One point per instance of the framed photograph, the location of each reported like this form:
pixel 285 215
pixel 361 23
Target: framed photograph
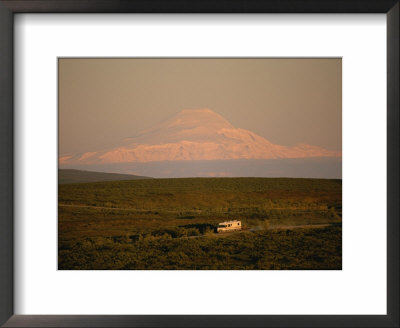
pixel 199 164
pixel 192 191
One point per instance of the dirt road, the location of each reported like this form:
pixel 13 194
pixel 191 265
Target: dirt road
pixel 254 229
pixel 274 228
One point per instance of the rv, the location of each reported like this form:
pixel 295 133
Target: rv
pixel 229 226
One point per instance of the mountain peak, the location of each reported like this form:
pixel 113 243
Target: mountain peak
pixel 197 117
pixel 204 112
pixel 188 124
pixel 196 134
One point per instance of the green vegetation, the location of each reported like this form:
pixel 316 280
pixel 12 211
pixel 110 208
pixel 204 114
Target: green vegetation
pixel 170 223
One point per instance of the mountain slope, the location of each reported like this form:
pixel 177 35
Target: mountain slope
pixel 195 135
pixel 78 176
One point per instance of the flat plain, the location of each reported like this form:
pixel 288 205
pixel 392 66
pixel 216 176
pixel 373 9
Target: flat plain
pixel 169 224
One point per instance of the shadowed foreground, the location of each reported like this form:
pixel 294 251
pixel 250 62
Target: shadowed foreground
pixel 169 224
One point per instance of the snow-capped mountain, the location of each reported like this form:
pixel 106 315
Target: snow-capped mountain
pixel 195 135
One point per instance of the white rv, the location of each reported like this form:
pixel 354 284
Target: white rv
pixel 229 226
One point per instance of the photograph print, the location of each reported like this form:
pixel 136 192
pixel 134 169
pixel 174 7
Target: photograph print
pixel 199 164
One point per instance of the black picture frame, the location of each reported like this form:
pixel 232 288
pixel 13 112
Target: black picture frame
pixel 10 7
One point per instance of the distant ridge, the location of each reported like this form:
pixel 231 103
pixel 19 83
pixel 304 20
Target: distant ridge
pixel 194 135
pixel 79 176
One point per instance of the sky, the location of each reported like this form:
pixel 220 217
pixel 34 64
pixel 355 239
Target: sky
pixel 287 101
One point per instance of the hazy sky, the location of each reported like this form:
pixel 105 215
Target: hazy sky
pixel 287 101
